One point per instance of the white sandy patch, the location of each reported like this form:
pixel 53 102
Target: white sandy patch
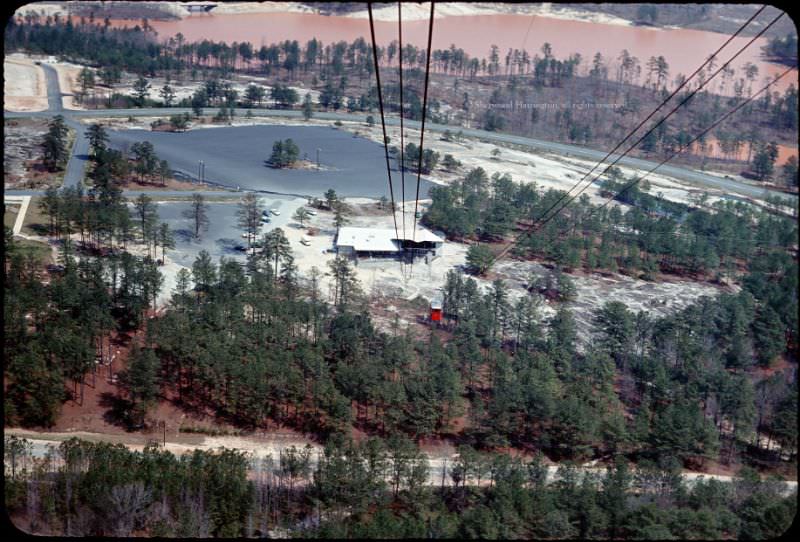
pixel 24 87
pixel 185 89
pixel 421 11
pixel 546 169
pixel 42 8
pixel 657 299
pixel 262 7
pixel 387 279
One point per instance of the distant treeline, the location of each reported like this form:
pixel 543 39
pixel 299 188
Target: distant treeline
pixel 783 50
pixel 343 72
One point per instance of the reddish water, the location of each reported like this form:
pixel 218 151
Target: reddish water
pixel 713 150
pixel 683 49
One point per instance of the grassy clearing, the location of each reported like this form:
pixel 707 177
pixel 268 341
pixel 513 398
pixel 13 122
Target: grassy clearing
pixel 10 215
pixel 40 252
pixel 36 222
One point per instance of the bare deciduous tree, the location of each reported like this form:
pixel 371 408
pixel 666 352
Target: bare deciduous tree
pixel 128 505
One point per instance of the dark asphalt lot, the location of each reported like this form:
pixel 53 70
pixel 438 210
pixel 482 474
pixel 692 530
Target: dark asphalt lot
pixel 223 233
pixel 236 156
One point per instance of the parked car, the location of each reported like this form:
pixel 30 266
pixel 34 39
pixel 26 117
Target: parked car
pixel 312 212
pixel 305 241
pixel 276 212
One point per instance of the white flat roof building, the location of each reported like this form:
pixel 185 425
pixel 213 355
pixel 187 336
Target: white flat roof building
pixel 354 239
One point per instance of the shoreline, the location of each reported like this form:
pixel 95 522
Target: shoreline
pixel 412 12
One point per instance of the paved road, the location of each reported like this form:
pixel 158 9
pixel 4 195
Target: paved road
pixel 54 103
pixel 76 167
pixel 696 178
pixel 80 150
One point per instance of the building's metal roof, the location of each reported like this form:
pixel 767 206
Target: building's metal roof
pixel 380 239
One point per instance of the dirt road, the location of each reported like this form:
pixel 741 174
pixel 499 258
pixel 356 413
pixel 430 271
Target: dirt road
pixel 272 445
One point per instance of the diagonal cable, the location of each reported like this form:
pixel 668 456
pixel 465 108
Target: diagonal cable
pixel 383 121
pixel 424 112
pixel 652 129
pixel 673 155
pixel 402 149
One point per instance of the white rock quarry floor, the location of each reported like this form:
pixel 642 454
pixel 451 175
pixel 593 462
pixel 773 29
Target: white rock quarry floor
pixel 547 170
pixel 385 280
pixel 657 299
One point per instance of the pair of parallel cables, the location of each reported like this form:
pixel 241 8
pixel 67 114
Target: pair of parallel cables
pixel 402 137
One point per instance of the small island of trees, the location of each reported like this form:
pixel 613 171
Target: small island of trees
pixel 284 154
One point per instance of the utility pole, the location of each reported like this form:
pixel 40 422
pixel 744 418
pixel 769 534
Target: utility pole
pixel 318 149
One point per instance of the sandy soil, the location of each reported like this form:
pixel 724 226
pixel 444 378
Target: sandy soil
pixel 545 169
pixel 411 11
pixel 185 89
pixel 263 447
pixel 24 84
pixel 421 11
pixel 387 281
pixel 21 146
pixel 42 8
pixel 656 299
pixel 262 7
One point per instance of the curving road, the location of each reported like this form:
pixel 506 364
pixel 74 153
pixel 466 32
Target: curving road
pixel 77 162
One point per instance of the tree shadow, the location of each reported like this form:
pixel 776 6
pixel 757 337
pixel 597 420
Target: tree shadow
pixel 183 235
pixel 231 246
pixel 39 229
pixel 119 411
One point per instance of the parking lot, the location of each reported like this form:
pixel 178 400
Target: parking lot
pixel 236 157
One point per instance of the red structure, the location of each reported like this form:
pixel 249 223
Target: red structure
pixel 436 311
